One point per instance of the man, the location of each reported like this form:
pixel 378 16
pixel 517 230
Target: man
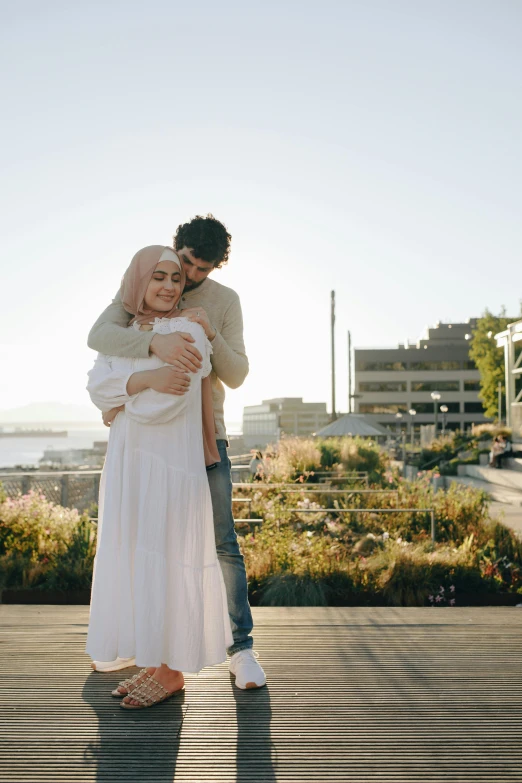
pixel 203 245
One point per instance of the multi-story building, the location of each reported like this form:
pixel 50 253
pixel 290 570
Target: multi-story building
pixel 389 381
pixel 265 423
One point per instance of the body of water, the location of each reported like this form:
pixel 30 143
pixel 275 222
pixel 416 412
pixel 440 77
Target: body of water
pixel 28 451
pixel 80 435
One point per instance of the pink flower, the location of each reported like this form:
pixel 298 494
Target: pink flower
pixel 441 589
pixel 452 588
pixel 452 602
pixel 430 598
pixel 438 599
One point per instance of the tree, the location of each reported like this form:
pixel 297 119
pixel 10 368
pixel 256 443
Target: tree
pixel 490 359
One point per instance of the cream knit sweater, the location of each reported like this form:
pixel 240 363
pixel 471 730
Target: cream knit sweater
pixel 110 336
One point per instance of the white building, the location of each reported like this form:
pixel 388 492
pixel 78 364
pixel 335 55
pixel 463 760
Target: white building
pixel 389 381
pixel 265 423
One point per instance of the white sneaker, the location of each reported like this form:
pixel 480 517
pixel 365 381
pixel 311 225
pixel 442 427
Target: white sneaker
pixel 247 671
pixel 113 666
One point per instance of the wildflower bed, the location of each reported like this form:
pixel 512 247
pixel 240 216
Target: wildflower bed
pixel 325 558
pixel 301 555
pixel 343 559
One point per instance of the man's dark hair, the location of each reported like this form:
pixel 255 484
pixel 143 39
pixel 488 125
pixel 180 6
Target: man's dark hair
pixel 206 237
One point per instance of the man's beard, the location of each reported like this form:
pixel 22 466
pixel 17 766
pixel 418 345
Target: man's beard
pixel 190 286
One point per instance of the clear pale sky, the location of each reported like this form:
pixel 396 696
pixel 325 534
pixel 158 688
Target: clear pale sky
pixel 366 146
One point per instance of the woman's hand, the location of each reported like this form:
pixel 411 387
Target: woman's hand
pixel 199 316
pixel 109 416
pixel 169 380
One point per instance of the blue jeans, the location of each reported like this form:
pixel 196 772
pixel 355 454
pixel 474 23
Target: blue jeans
pixel 229 554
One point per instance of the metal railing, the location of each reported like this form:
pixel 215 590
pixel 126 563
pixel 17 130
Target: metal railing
pixel 309 490
pixel 353 475
pixel 71 488
pixel 79 489
pixel 430 511
pixel 240 459
pixel 324 476
pixel 312 489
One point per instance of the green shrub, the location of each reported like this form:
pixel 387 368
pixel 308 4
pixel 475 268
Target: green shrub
pixel 43 545
pixel 288 589
pixel 298 559
pixel 294 459
pixel 450 468
pixel 411 575
pixel 489 430
pixel 364 455
pixel 330 453
pixel 290 459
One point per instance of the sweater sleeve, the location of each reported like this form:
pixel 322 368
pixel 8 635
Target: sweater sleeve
pixel 110 334
pixel 229 359
pixel 108 387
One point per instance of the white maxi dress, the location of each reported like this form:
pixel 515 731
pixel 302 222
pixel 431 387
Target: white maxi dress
pixel 158 592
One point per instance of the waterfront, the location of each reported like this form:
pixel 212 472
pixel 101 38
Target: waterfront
pixel 27 451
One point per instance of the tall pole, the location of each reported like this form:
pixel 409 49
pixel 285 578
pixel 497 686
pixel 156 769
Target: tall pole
pixel 349 372
pixel 509 358
pixel 499 389
pixel 412 413
pixel 332 322
pixel 435 396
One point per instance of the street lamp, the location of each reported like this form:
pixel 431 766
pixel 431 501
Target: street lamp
pixel 444 410
pixel 412 413
pixel 435 396
pixel 401 437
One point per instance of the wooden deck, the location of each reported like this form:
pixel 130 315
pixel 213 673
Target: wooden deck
pixel 356 695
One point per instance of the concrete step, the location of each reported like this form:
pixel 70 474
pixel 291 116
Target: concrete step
pixel 502 477
pixel 495 491
pixel 514 464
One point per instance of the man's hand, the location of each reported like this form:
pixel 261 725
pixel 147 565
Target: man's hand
pixel 109 416
pixel 176 349
pixel 169 380
pixel 199 316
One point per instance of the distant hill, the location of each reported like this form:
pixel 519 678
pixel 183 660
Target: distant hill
pixel 41 412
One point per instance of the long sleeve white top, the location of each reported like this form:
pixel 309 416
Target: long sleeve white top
pixel 108 378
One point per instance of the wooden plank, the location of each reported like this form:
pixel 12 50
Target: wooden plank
pixel 354 694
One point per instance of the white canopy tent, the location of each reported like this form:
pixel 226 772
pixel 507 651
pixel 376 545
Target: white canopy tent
pixel 353 424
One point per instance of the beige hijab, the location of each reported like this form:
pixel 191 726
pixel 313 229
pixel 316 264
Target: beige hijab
pixel 133 289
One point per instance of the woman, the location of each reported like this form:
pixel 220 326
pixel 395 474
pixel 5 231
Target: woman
pixel 256 466
pixel 497 450
pixel 158 593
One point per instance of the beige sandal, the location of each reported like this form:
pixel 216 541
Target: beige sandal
pixel 130 683
pixel 149 693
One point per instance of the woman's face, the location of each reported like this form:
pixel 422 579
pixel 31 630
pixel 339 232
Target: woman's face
pixel 164 289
